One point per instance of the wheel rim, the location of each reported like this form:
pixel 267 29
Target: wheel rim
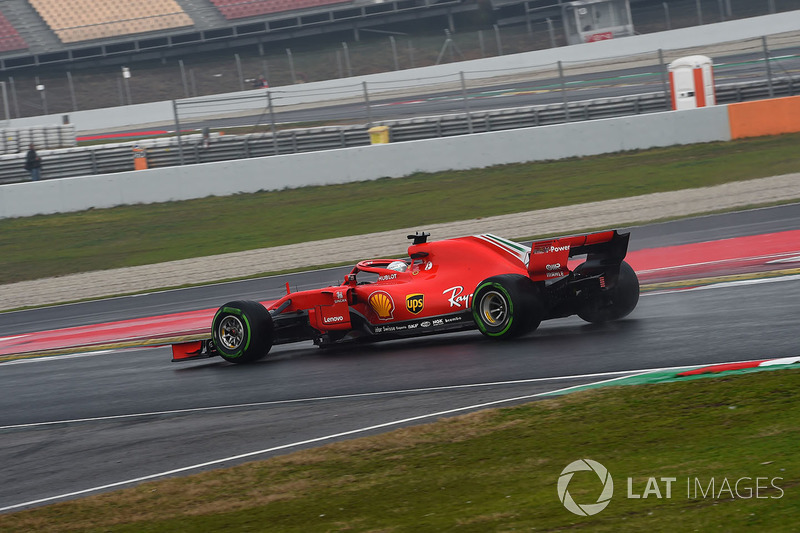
pixel 494 309
pixel 230 332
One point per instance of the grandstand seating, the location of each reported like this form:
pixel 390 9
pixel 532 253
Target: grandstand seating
pixel 10 38
pixel 83 20
pixel 236 9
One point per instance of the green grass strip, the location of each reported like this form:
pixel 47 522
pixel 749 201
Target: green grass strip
pixel 497 470
pixel 669 376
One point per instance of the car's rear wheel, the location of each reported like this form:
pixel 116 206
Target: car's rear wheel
pixel 507 306
pixel 614 302
pixel 243 331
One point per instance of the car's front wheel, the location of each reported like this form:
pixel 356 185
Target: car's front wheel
pixel 243 331
pixel 507 306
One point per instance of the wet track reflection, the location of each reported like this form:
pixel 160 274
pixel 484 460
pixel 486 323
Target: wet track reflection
pixel 76 423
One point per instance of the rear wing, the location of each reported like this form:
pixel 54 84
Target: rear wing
pixel 604 250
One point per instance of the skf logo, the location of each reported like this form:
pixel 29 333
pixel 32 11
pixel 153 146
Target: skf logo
pixel 382 303
pixel 415 303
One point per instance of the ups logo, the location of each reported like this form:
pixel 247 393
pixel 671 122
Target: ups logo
pixel 415 303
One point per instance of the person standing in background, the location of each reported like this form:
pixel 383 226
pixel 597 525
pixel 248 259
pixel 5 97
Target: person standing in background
pixel 33 163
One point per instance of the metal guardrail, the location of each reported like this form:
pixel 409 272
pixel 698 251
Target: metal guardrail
pixel 164 152
pixel 15 140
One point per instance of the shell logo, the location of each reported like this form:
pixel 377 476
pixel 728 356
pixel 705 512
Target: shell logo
pixel 382 303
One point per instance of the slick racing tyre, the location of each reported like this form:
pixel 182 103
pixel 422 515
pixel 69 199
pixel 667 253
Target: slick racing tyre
pixel 614 302
pixel 242 331
pixel 507 306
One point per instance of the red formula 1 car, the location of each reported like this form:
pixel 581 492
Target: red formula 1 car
pixel 500 287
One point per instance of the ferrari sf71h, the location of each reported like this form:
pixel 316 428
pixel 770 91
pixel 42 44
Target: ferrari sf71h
pixel 502 288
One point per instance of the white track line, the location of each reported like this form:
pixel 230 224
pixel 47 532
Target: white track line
pixel 742 282
pixel 722 285
pixel 62 357
pixel 3 339
pixel 795 259
pixel 317 440
pixel 292 445
pixel 620 375
pixel 719 261
pixel 324 398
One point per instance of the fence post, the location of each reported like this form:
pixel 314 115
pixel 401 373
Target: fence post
pixel 771 6
pixel 497 38
pixel 239 71
pixel 126 82
pixel 394 52
pixel 5 103
pixel 445 46
pixel 552 31
pixel 466 101
pixel 528 20
pixel 699 13
pixel 71 91
pixel 664 84
pixel 194 81
pixel 178 131
pixel 366 101
pixel 121 92
pixel 14 96
pixel 411 54
pixel 563 90
pixel 347 60
pixel 769 67
pixel 481 44
pixel 183 78
pixel 291 64
pixel 272 124
pixel 666 16
pixel 41 89
pixel 265 69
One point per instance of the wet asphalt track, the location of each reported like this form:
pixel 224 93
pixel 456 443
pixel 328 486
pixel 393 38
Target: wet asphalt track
pixel 70 424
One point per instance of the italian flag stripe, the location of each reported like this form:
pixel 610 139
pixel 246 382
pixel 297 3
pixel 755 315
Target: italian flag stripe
pixel 510 244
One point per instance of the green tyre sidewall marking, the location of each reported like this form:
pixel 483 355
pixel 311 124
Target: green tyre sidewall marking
pixel 476 315
pixel 479 320
pixel 238 312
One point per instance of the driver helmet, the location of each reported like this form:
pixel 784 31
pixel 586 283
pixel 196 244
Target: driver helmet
pixel 399 266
